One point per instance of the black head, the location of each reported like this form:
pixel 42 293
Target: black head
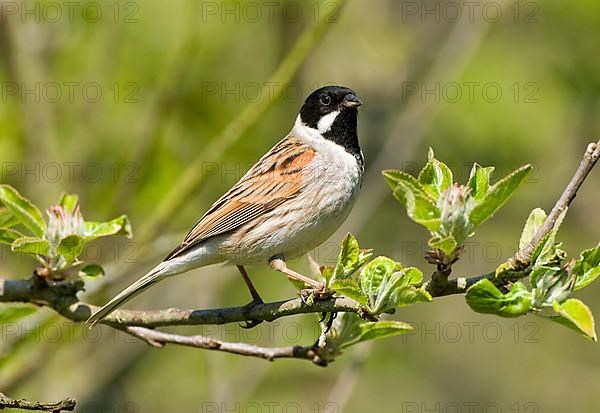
pixel 333 111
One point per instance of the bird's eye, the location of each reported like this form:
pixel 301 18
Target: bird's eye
pixel 325 100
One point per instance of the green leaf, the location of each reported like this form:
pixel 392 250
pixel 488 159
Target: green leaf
pixel 485 297
pixel 8 236
pixel 411 275
pixel 347 258
pixel 32 246
pixel 587 267
pixel 7 219
pixel 479 180
pixel 394 177
pixel 497 195
pixel 327 273
pixel 351 258
pixel 70 247
pixel 349 330
pixel 401 290
pixel 384 282
pixel 419 207
pixel 91 270
pixel 408 296
pixel 547 251
pixel 69 202
pixel 435 177
pixel 447 245
pixel 551 284
pixel 350 289
pixel 587 278
pixel 380 329
pixel 576 315
pixel 379 280
pixel 506 266
pixel 534 222
pixel 23 210
pixel 344 331
pixel 117 226
pixel 375 274
pixel 9 313
pixel 540 273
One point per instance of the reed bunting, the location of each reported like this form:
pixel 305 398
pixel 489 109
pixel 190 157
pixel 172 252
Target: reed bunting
pixel 293 199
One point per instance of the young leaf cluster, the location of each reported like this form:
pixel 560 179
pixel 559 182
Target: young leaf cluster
pixel 380 285
pixel 452 211
pixel 57 242
pixel 349 329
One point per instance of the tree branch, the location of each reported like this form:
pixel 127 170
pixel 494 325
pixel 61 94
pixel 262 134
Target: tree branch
pixel 67 404
pixel 62 297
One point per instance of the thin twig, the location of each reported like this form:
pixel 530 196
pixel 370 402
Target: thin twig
pixel 590 158
pixel 67 404
pixel 158 339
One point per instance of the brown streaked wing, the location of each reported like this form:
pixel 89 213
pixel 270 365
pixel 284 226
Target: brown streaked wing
pixel 274 179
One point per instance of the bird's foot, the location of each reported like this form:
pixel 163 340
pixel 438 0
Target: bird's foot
pixel 320 293
pixel 329 323
pixel 247 308
pixel 250 324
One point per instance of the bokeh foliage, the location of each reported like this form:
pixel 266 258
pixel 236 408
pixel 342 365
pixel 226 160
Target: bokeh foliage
pixel 171 55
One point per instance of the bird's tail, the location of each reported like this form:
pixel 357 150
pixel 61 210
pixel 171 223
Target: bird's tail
pixel 145 282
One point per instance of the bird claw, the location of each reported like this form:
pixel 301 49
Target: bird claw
pixel 309 295
pixel 248 324
pixel 304 297
pixel 317 347
pixel 323 316
pixel 330 322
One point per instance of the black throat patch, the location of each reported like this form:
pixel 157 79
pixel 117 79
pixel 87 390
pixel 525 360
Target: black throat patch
pixel 344 132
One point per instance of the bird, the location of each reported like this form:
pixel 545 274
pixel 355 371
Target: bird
pixel 288 203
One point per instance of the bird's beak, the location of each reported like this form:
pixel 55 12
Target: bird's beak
pixel 351 101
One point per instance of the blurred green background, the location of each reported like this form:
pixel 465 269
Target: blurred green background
pixel 116 101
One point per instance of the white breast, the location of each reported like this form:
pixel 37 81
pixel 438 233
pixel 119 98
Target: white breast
pixel 335 173
pixel 306 221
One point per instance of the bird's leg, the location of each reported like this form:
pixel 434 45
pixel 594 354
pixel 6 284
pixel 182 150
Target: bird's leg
pixel 255 296
pixel 316 290
pixel 278 264
pixel 256 299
